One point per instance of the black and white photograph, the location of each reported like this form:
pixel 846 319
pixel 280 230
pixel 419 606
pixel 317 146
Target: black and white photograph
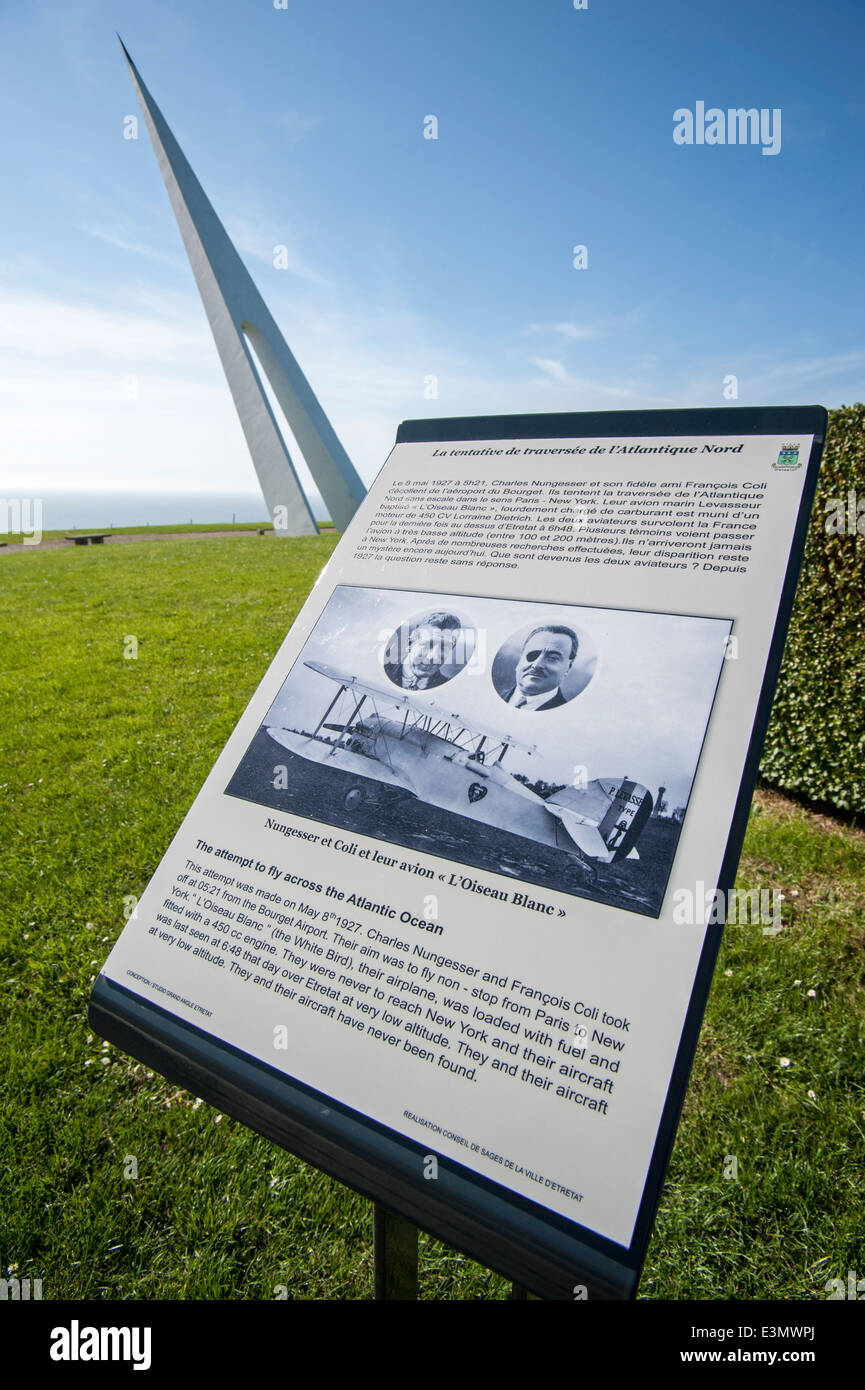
pixel 589 800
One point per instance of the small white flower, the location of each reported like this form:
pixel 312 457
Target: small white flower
pixel 812 994
pixel 812 1095
pixel 216 1119
pixel 728 973
pixel 797 982
pixel 106 1061
pixel 784 1061
pixel 794 892
pixel 89 1062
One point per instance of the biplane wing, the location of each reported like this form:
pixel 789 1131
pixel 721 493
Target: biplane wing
pixel 407 699
pixel 453 761
pixel 322 751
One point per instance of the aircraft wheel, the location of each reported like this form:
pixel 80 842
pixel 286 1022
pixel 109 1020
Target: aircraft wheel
pixel 354 798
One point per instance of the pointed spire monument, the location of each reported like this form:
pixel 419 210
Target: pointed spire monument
pixel 236 312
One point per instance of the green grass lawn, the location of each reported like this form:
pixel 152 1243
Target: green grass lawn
pixel 179 529
pixel 101 758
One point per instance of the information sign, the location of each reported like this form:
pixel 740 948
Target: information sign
pixel 443 918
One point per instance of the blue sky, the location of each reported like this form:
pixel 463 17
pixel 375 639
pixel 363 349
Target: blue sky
pixel 408 257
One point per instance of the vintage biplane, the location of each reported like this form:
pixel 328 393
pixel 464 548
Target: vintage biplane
pixel 454 762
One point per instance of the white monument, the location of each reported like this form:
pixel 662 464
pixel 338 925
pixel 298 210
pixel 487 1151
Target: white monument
pixel 236 313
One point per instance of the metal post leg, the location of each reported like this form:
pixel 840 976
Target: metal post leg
pixel 394 1255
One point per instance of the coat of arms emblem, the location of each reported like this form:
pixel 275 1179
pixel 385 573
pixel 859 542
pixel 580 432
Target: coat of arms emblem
pixel 788 457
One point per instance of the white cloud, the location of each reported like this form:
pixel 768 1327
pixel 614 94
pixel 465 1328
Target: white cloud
pixel 812 368
pixel 115 239
pixel 574 331
pixel 294 126
pixel 556 370
pixel 43 328
pixel 251 240
pixel 131 394
pixel 563 391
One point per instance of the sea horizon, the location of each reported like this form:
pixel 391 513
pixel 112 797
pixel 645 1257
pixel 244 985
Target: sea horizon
pixel 91 510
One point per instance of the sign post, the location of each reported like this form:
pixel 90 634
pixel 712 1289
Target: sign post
pixel 443 919
pixel 394 1255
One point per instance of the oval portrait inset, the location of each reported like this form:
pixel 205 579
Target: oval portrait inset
pixel 544 665
pixel 428 650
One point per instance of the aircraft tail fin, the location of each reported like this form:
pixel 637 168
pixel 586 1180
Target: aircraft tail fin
pixel 604 818
pixel 584 835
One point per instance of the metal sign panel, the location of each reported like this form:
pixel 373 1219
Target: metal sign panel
pixel 443 918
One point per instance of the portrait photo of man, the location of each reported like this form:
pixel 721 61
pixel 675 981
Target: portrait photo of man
pixel 422 655
pixel 541 669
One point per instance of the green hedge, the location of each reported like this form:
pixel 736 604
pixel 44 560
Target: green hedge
pixel 816 739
